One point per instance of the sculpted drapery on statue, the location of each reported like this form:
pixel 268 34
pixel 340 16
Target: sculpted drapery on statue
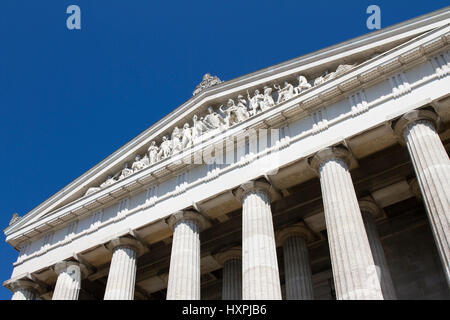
pixel 213 120
pixel 153 152
pixel 125 172
pixel 139 163
pixel 302 85
pixel 268 100
pixel 255 102
pixel 186 141
pixel 165 149
pixel 176 140
pixel 285 93
pixel 233 114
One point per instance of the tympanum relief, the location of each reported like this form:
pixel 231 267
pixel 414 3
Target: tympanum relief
pixel 217 120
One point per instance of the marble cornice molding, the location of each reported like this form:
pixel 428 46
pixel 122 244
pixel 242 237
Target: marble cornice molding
pixel 399 32
pixel 376 69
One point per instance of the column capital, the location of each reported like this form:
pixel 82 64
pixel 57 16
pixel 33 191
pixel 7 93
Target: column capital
pixel 368 206
pixel 228 254
pixel 295 230
pixel 335 152
pixel 184 215
pixel 65 265
pixel 260 185
pixel 126 242
pixel 23 283
pixel 413 116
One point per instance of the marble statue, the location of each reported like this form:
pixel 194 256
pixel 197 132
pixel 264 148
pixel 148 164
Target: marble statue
pixel 235 113
pixel 319 81
pixel 213 120
pixel 342 68
pixel 138 164
pixel 145 161
pixel 153 153
pixel 285 93
pixel 109 181
pixel 228 114
pixel 92 190
pixel 268 100
pixel 125 172
pixel 165 149
pixel 255 102
pixel 198 127
pixel 186 141
pixel 241 109
pixel 176 140
pixel 302 85
pixel 242 102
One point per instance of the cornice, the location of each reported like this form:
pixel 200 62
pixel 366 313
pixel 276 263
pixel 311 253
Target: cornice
pixel 426 22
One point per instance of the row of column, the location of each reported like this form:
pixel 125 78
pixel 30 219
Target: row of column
pixel 358 262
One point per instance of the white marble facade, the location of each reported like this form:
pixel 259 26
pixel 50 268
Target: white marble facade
pixel 310 118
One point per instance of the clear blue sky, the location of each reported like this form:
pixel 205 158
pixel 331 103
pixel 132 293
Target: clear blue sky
pixel 68 99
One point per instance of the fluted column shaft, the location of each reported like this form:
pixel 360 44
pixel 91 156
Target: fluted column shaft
pixel 232 280
pixel 260 276
pixel 354 272
pixel 23 294
pixel 297 269
pixel 184 271
pixel 68 284
pixel 122 272
pixel 432 166
pixel 379 258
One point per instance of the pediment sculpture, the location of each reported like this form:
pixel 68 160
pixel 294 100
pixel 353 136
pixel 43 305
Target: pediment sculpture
pixel 236 111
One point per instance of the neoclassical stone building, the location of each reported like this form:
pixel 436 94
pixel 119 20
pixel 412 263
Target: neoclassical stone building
pixel 323 177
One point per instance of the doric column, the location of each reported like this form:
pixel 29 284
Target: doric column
pixel 370 212
pixel 122 272
pixel 418 130
pixel 231 260
pixel 297 270
pixel 354 271
pixel 68 284
pixel 23 289
pixel 260 277
pixel 184 271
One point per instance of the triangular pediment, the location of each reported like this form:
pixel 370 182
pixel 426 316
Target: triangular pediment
pixel 336 60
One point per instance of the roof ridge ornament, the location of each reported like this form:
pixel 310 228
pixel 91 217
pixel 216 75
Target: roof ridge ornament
pixel 207 81
pixel 14 219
